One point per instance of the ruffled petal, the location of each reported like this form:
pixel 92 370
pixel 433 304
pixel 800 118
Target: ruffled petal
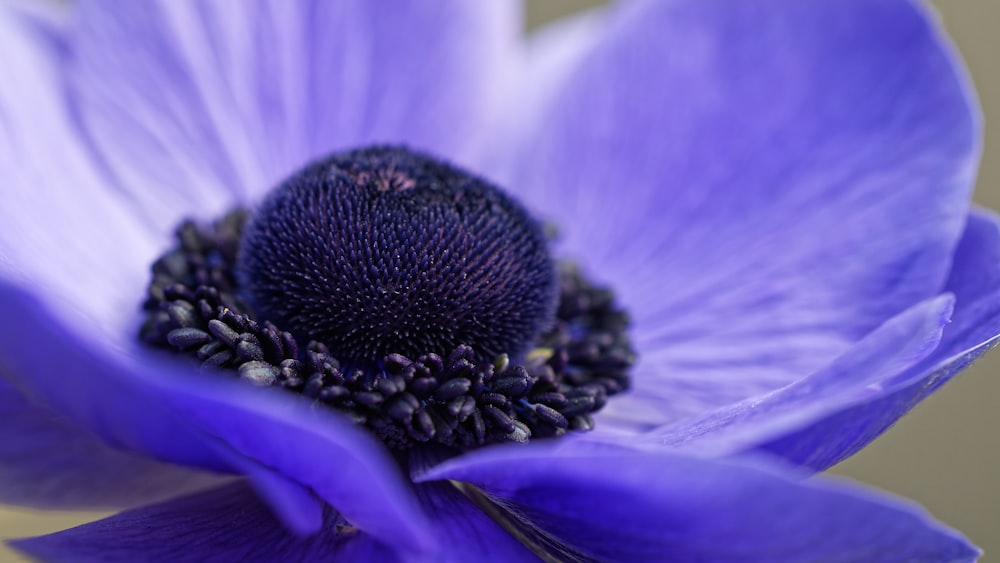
pixel 616 504
pixel 763 183
pixel 200 102
pixel 47 462
pixel 224 524
pixel 144 401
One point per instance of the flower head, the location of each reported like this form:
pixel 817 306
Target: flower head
pixel 776 192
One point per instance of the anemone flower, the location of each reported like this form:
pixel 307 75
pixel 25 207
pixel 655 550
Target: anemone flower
pixel 774 193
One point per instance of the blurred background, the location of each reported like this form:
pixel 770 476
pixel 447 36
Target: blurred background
pixel 946 453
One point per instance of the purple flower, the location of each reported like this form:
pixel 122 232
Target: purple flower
pixel 778 191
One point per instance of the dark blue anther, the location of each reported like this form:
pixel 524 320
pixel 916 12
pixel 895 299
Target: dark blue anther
pixel 392 288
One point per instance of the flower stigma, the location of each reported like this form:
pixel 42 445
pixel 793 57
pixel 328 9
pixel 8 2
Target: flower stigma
pixel 415 297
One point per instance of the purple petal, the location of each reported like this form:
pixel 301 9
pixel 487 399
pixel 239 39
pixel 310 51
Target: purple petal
pixel 764 183
pixel 73 242
pixel 975 269
pixel 821 443
pixel 224 524
pixel 314 447
pixel 626 505
pixel 863 372
pixel 295 505
pixel 190 101
pixel 46 462
pixel 464 532
pixel 828 416
pixel 92 386
pixel 142 401
pixel 65 233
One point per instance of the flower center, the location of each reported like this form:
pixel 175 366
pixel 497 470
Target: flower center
pixel 384 250
pixel 396 289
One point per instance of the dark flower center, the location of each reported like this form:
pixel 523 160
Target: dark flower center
pixel 383 250
pixel 396 289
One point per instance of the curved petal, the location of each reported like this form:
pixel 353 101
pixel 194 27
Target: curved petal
pixel 975 269
pixel 224 524
pixel 76 377
pixel 764 183
pixel 313 447
pixel 830 415
pixel 855 377
pixel 464 532
pixel 198 102
pixel 975 280
pixel 46 462
pixel 142 401
pixel 295 505
pixel 616 504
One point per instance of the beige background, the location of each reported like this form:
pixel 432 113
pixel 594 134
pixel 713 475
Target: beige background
pixel 946 453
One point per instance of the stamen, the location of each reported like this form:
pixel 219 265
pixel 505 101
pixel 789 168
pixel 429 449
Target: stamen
pixel 457 399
